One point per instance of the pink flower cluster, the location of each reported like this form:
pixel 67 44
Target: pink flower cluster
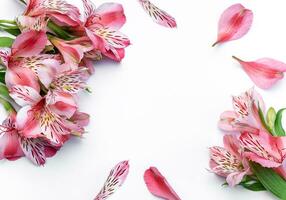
pixel 249 137
pixel 47 66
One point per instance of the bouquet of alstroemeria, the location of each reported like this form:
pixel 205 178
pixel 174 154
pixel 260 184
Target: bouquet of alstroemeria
pixel 254 149
pixel 45 66
pixel 47 63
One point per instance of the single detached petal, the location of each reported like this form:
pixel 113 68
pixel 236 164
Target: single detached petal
pixel 158 185
pixel 264 72
pixel 234 23
pixel 115 179
pixel 29 43
pixel 159 16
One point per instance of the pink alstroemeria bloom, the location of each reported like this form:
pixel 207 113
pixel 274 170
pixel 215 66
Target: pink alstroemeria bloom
pixel 14 145
pixel 37 118
pixel 263 148
pixel 58 10
pixel 25 65
pixel 229 161
pixel 245 116
pixel 102 27
pixel 72 50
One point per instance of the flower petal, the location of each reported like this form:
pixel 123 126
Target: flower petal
pixel 21 76
pixel 159 16
pixel 158 185
pixel 115 179
pixel 263 72
pixel 262 148
pixel 235 178
pixel 33 150
pixel 234 23
pixel 24 95
pixel 29 43
pixel 5 54
pixel 9 146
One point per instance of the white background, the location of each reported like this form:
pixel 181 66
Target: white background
pixel 159 107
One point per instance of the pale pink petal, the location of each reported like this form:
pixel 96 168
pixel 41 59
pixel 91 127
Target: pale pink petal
pixel 235 178
pixel 262 148
pixel 231 143
pixel 62 103
pixel 234 23
pixel 115 179
pixel 24 95
pixel 26 23
pixel 89 9
pixel 264 72
pixel 80 118
pixel 33 150
pixel 110 15
pixel 159 16
pixel 158 185
pixel 29 43
pixel 21 76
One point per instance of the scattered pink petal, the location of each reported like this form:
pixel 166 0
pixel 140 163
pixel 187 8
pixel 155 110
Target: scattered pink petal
pixel 234 23
pixel 159 16
pixel 115 179
pixel 264 72
pixel 158 185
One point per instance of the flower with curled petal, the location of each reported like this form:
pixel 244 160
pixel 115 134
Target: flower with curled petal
pixel 14 145
pixel 245 114
pixel 58 10
pixel 229 161
pixel 102 26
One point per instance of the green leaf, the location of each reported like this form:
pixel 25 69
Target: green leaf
pixel 6 42
pixel 12 31
pixel 252 184
pixel 270 180
pixel 2 77
pixel 279 131
pixel 4 92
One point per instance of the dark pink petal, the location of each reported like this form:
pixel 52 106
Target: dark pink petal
pixel 115 179
pixel 29 43
pixel 234 23
pixel 264 72
pixel 158 185
pixel 159 16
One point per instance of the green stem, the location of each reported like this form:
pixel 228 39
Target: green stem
pixel 58 30
pixel 8 107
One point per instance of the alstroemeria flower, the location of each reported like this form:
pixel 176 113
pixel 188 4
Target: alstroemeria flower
pixel 72 50
pixel 14 145
pixel 264 72
pixel 58 10
pixel 229 161
pixel 102 27
pixel 245 116
pixel 37 118
pixel 263 148
pixel 25 65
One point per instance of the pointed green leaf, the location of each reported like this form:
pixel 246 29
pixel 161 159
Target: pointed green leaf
pixel 12 31
pixel 6 42
pixel 279 131
pixel 2 77
pixel 263 121
pixel 270 118
pixel 270 180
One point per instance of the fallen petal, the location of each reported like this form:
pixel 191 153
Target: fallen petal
pixel 264 72
pixel 158 185
pixel 159 16
pixel 234 23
